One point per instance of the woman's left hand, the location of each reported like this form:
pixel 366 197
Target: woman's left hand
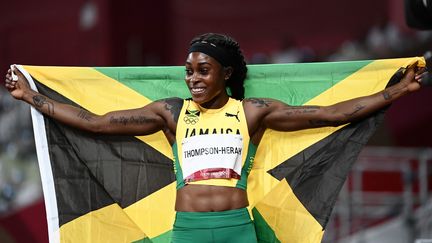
pixel 412 78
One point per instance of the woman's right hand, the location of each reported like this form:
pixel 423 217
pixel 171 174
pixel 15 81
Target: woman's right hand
pixel 16 88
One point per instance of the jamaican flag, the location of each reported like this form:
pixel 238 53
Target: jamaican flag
pixel 101 188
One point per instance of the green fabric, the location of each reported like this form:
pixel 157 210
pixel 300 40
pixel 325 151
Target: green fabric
pixel 177 169
pixel 247 167
pixel 241 233
pixel 266 234
pixel 285 82
pixel 162 238
pixel 124 184
pixel 145 240
pixel 214 227
pixel 209 220
pixel 149 80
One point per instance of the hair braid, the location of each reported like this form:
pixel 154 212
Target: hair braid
pixel 236 80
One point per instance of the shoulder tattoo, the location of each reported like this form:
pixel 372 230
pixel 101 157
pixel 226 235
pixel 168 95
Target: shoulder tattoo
pixel 173 105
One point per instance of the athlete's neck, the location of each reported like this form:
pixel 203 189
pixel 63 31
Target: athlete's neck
pixel 217 102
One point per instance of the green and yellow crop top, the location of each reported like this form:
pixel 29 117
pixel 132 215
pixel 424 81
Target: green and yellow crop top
pixel 212 146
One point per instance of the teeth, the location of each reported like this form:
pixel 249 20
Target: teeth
pixel 197 90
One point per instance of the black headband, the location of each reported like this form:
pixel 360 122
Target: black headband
pixel 212 50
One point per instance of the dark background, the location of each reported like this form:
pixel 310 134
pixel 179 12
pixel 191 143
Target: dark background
pixel 132 32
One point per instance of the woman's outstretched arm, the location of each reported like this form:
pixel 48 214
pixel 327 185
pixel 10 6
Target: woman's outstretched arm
pixel 273 114
pixel 151 118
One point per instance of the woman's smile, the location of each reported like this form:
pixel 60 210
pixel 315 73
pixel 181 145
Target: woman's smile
pixel 197 90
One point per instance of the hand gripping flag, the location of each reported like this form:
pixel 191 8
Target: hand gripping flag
pixel 101 188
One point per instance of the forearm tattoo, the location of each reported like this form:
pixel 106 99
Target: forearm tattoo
pixel 39 101
pixel 135 120
pixel 390 93
pixel 85 115
pixel 357 108
pixel 386 95
pixel 259 102
pixel 296 110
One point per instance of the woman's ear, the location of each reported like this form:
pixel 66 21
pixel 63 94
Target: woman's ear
pixel 228 72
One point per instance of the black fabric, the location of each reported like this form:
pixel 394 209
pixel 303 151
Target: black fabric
pixel 119 169
pixel 212 50
pixel 317 174
pixel 417 15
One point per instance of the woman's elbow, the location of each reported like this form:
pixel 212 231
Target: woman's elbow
pixel 96 125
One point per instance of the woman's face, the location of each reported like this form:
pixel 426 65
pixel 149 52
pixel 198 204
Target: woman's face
pixel 205 78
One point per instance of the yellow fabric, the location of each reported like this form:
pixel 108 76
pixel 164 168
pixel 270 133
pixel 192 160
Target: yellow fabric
pixel 276 147
pixel 274 199
pixel 213 119
pixel 287 216
pixel 154 214
pixel 269 195
pixel 108 224
pixel 75 83
pixel 113 96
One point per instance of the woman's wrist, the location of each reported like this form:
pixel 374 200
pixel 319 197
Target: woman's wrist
pixel 28 96
pixel 394 92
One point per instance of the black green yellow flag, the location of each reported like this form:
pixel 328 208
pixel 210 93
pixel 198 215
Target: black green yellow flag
pixel 101 188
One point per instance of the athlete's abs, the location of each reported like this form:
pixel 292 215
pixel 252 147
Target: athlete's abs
pixel 206 198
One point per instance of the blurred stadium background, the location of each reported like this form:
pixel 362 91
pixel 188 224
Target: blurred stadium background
pixel 387 196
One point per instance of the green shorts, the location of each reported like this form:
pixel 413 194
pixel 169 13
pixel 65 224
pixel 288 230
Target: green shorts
pixel 215 227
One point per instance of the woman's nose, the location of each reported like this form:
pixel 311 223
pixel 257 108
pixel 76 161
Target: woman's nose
pixel 194 78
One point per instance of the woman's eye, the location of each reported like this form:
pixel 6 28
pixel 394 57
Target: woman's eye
pixel 188 72
pixel 204 71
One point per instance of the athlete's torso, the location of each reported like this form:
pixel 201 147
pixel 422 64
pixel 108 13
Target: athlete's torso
pixel 212 146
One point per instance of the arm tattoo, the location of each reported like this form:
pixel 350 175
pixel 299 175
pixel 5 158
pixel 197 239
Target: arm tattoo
pixel 259 102
pixel 390 93
pixel 357 108
pixel 135 120
pixel 321 123
pixel 296 110
pixel 39 101
pixel 173 105
pixel 85 115
pixel 386 95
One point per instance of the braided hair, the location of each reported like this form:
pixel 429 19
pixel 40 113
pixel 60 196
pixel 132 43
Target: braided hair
pixel 236 80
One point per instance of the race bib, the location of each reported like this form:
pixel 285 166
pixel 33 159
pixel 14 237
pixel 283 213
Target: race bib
pixel 212 156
